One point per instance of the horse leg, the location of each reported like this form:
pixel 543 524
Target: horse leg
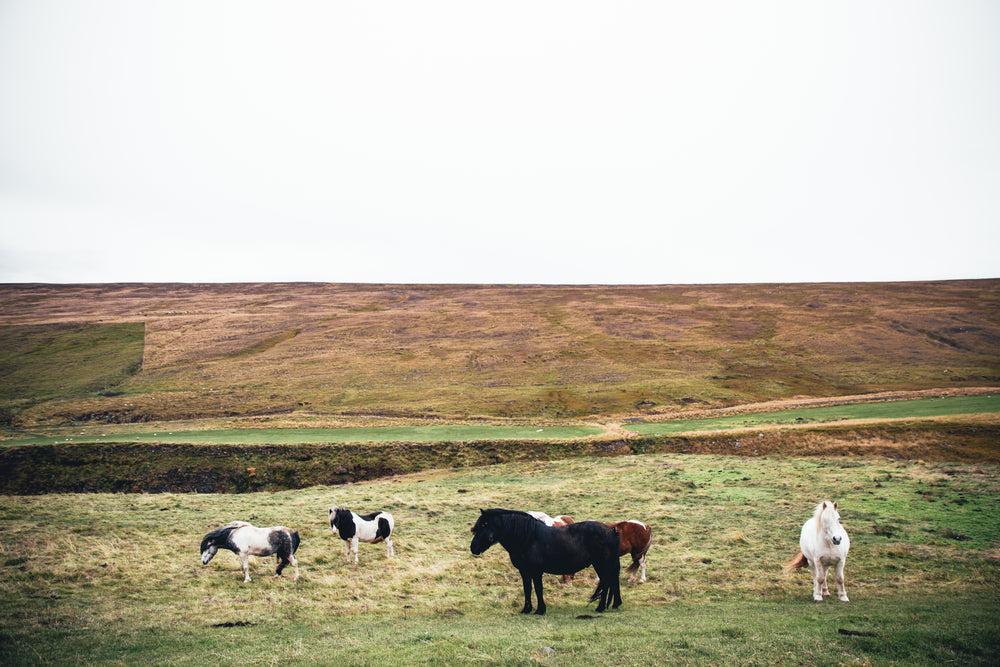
pixel 389 551
pixel 841 587
pixel 819 582
pixel 642 569
pixel 245 561
pixel 538 591
pixel 526 583
pixel 354 547
pixel 633 569
pixel 347 543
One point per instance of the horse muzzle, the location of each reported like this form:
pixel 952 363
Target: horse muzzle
pixel 836 540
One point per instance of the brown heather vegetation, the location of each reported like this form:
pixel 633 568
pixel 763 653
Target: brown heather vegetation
pixel 500 352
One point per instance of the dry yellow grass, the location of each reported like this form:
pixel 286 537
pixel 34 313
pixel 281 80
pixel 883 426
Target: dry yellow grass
pixel 453 351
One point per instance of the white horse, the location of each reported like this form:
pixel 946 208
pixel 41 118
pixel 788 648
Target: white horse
pixel 824 544
pixel 246 540
pixel 372 528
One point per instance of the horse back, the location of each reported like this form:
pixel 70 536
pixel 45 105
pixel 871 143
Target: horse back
pixel 570 548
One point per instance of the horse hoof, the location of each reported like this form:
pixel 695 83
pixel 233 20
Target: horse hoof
pixel 844 599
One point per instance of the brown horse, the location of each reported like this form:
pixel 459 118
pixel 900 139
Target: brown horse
pixel 635 538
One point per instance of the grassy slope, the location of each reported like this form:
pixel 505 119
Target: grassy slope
pixel 116 579
pixel 507 351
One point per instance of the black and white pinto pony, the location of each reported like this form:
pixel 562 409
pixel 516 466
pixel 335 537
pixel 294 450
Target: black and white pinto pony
pixel 824 544
pixel 353 528
pixel 246 540
pixel 535 548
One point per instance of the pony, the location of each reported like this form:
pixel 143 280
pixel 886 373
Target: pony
pixel 561 520
pixel 635 538
pixel 246 540
pixel 535 548
pixel 823 543
pixel 372 528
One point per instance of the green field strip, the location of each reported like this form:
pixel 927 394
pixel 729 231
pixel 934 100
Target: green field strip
pixel 279 436
pixel 910 409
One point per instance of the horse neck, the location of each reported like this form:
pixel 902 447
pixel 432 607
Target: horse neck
pixel 517 529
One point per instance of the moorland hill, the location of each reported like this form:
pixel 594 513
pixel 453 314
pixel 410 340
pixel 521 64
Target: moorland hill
pixel 152 352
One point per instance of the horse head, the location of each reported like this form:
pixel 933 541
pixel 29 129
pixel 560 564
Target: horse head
pixel 209 547
pixel 829 523
pixel 484 532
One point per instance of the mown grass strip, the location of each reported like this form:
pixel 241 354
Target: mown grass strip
pixel 910 409
pixel 457 433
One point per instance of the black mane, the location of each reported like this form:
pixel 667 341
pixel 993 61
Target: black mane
pixel 220 537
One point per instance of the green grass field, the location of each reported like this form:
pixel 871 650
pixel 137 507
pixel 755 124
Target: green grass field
pixel 116 578
pixel 883 410
pixel 185 433
pixel 455 433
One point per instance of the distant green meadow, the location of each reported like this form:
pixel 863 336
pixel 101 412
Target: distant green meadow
pixel 910 409
pixel 278 436
pixel 917 408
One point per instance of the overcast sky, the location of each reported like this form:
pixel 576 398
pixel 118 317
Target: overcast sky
pixel 506 142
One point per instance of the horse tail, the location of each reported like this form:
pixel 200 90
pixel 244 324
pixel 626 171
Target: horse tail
pixel 601 586
pixel 800 560
pixel 295 541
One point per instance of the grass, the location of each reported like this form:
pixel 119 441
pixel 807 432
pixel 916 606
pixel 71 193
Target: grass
pixel 906 409
pixel 115 578
pixel 190 433
pixel 44 361
pixel 450 433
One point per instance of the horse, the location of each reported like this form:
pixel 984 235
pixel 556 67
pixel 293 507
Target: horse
pixel 823 543
pixel 635 538
pixel 561 520
pixel 372 528
pixel 246 540
pixel 535 548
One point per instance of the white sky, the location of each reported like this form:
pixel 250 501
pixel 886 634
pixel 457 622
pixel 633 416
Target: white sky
pixel 515 142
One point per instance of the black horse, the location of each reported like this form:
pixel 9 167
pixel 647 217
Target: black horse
pixel 535 548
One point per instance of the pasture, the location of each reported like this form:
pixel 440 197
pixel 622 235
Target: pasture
pixel 117 579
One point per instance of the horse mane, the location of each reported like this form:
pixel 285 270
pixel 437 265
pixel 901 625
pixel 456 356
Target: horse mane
pixel 821 509
pixel 221 535
pixel 519 524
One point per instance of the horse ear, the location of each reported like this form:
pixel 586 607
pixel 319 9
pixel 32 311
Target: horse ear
pixel 824 505
pixel 482 511
pixel 834 504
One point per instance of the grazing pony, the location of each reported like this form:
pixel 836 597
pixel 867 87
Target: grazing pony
pixel 635 538
pixel 245 540
pixel 372 528
pixel 561 520
pixel 535 548
pixel 823 543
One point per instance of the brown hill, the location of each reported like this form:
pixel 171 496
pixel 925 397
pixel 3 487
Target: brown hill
pixel 462 351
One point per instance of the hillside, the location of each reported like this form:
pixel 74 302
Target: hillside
pixel 151 352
